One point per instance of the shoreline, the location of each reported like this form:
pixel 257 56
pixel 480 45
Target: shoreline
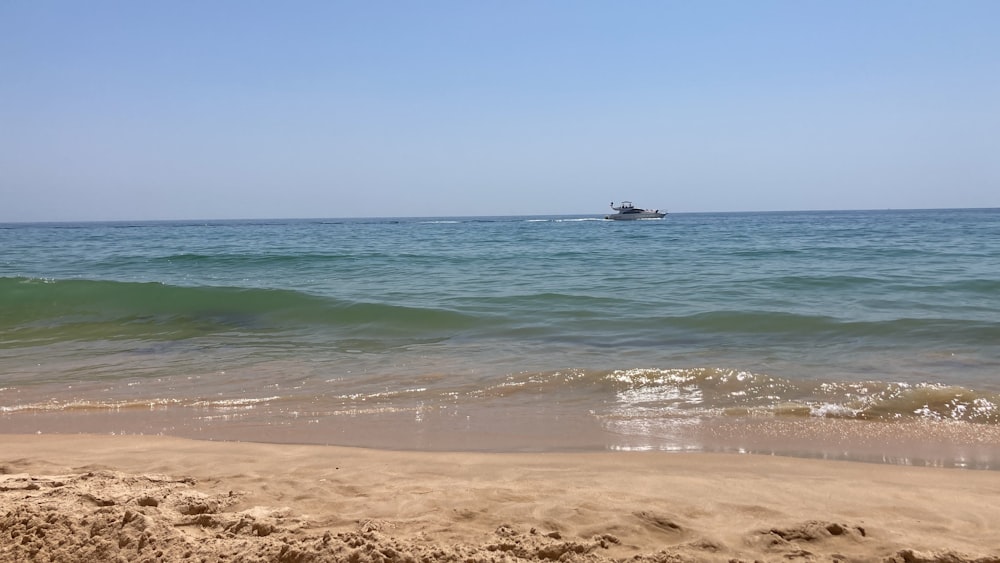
pixel 100 496
pixel 925 443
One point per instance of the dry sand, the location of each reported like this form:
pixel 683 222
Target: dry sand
pixel 115 498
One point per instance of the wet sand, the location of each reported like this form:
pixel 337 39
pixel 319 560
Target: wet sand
pixel 136 498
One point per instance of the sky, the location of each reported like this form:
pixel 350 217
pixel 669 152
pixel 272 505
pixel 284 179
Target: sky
pixel 175 109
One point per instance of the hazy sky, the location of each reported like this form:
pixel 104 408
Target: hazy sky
pixel 244 109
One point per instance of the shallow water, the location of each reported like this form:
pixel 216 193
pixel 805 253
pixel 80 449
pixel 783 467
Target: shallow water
pixel 517 333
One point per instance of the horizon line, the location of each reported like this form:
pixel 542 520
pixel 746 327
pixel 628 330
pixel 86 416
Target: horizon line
pixel 411 217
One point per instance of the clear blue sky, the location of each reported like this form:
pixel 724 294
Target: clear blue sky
pixel 244 109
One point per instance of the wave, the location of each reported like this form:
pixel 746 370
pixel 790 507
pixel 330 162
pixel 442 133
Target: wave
pixel 690 394
pixel 36 310
pixel 696 392
pixel 41 311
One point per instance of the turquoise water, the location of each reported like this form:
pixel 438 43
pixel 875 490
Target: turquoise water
pixel 694 332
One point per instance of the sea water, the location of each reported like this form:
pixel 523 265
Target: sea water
pixel 857 334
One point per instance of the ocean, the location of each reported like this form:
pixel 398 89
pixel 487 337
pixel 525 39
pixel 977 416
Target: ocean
pixel 863 335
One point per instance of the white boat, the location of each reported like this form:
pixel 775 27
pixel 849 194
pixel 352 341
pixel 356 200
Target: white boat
pixel 628 212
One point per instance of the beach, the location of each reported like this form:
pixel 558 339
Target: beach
pixel 155 498
pixel 811 386
pixel 506 282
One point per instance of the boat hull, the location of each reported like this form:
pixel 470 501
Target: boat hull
pixel 634 216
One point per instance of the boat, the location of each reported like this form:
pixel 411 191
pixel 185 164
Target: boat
pixel 628 212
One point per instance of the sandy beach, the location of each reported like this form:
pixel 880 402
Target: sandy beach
pixel 140 498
